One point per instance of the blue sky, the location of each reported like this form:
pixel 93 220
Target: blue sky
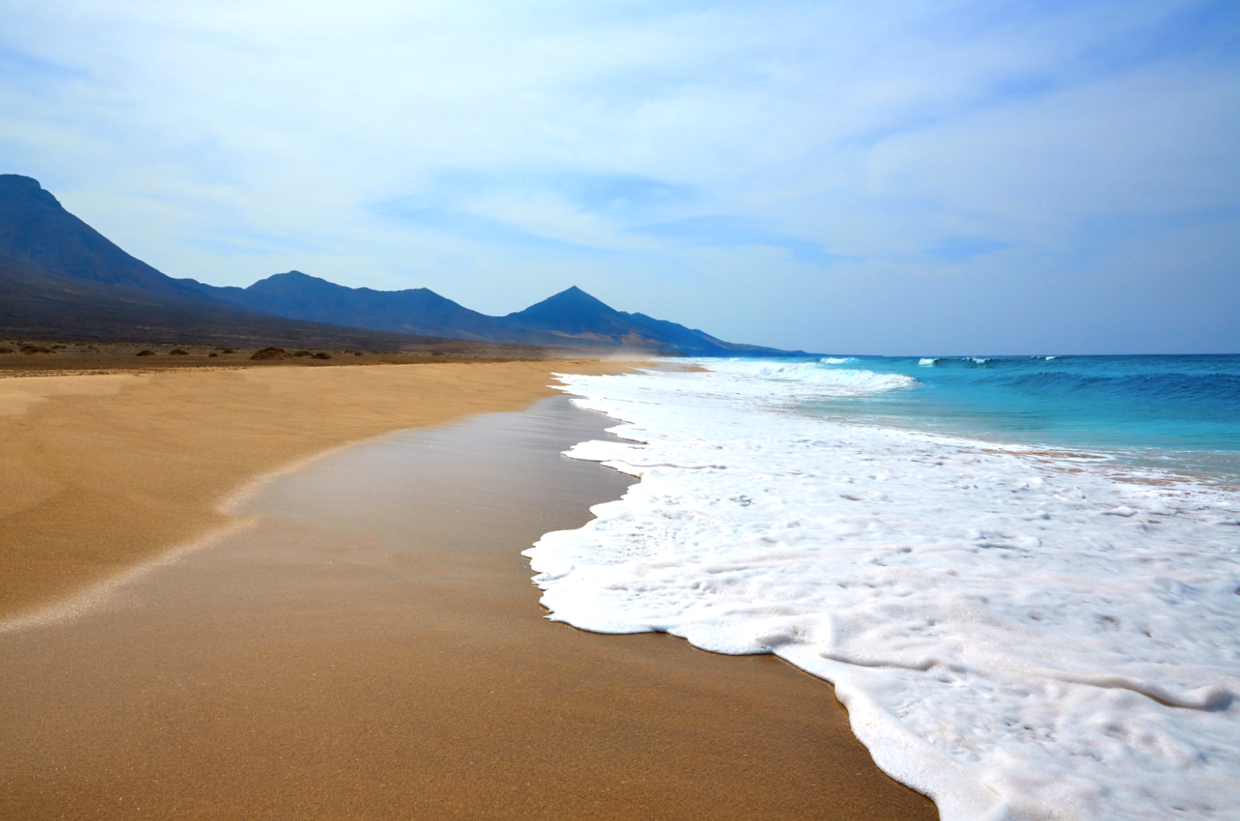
pixel 879 177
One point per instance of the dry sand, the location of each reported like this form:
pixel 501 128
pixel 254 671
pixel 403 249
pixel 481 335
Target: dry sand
pixel 372 646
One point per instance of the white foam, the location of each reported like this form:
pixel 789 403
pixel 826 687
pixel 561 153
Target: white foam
pixel 798 379
pixel 837 360
pixel 1016 635
pixel 928 361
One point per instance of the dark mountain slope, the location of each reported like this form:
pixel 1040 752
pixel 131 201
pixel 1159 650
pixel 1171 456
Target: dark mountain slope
pixel 571 317
pixel 416 310
pixel 572 312
pixel 40 305
pixel 575 315
pixel 35 228
pixel 62 276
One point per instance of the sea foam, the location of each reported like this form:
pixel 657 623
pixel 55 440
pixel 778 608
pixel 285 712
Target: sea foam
pixel 1015 632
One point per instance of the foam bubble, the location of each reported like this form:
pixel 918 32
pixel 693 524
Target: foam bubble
pixel 1017 635
pixel 800 379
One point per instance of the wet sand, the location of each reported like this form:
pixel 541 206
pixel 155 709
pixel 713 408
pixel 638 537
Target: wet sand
pixel 102 473
pixel 373 648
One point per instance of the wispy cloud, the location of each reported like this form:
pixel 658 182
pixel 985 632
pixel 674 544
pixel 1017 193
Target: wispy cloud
pixel 864 159
pixel 959 249
pixel 479 229
pixel 731 231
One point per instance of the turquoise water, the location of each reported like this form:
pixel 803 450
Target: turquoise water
pixel 1172 412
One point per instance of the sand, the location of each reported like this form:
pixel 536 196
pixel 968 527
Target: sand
pixel 101 473
pixel 372 647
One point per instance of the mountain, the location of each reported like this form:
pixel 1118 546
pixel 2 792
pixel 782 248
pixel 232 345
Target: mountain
pixel 416 310
pixel 62 276
pixel 35 229
pixel 575 315
pixel 571 317
pixel 37 304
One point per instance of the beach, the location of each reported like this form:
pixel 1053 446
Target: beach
pixel 360 638
pixel 103 472
pixel 1019 573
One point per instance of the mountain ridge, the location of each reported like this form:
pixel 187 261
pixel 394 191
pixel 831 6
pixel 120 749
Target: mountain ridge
pixel 570 317
pixel 36 229
pixel 61 278
pixel 77 262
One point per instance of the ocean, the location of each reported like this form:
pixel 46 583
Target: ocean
pixel 1022 574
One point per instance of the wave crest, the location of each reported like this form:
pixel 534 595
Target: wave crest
pixel 812 376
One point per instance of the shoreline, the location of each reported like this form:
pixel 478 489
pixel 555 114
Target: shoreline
pixel 373 646
pixel 959 596
pixel 112 472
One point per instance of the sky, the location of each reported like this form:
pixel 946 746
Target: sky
pixel 880 177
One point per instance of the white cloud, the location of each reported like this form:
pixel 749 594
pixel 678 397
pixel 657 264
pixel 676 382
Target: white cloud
pixel 231 140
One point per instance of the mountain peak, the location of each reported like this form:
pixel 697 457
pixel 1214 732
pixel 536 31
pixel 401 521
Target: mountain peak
pixel 13 186
pixel 571 309
pixel 19 181
pixel 572 297
pixel 35 228
pixel 293 280
pixel 295 275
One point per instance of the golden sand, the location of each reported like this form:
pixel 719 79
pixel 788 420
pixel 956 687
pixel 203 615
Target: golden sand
pixel 371 647
pixel 101 473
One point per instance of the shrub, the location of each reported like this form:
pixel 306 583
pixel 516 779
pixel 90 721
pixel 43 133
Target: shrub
pixel 271 353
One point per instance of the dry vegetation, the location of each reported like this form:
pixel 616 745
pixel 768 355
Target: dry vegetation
pixel 26 357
